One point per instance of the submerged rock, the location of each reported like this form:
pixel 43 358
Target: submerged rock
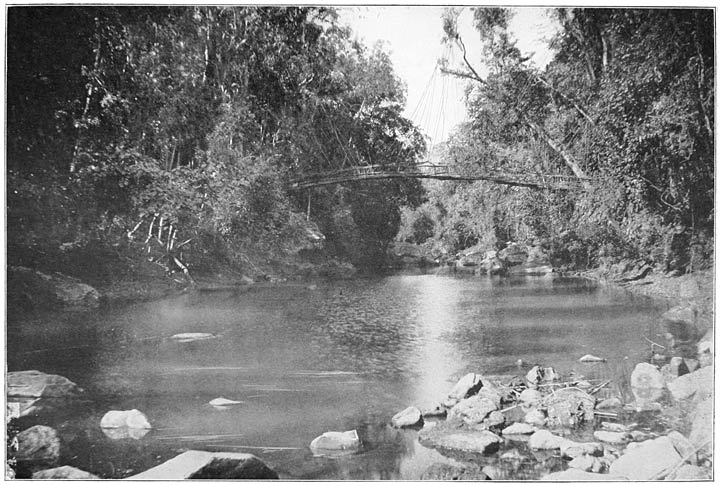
pixel 407 418
pixel 192 337
pixel 221 402
pixel 589 358
pixel 64 473
pixel 571 449
pixel 646 460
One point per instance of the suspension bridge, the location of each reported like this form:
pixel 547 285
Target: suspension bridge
pixel 437 172
pixel 433 112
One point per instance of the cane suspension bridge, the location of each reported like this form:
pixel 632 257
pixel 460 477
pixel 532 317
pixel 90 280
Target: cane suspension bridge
pixel 428 170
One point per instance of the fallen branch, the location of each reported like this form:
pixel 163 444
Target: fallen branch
pixel 131 232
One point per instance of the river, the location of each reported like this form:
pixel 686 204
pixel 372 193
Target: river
pixel 303 360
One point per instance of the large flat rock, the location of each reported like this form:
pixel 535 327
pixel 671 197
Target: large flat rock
pixel 195 464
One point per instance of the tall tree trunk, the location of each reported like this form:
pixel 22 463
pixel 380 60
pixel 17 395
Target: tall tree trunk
pixel 569 160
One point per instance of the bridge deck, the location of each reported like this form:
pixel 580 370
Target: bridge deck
pixel 437 172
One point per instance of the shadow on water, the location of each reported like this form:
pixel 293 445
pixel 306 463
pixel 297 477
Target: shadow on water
pixel 345 355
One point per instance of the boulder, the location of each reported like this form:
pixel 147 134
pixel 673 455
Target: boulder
pixel 646 376
pixel 334 441
pixel 489 391
pixel 699 383
pixel 569 406
pixel 448 437
pixel 494 421
pixel 473 409
pixel 64 473
pixel 530 396
pixel 587 463
pixel 612 437
pixel 445 472
pixel 536 256
pixel 492 266
pixel 545 440
pixel 195 464
pixel 571 449
pixel 468 385
pixel 538 375
pixel 40 289
pixel 513 254
pixel 436 411
pixel 681 314
pixel 575 475
pixel 37 446
pixel 519 428
pixel 33 383
pixel 407 418
pixel 535 417
pixel 646 460
pixel 125 419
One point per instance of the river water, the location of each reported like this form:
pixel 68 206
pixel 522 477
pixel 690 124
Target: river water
pixel 342 355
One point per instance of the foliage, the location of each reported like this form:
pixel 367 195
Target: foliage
pixel 627 101
pixel 174 130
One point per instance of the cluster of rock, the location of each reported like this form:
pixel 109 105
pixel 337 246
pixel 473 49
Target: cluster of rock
pixel 513 419
pixel 36 451
pixel 515 258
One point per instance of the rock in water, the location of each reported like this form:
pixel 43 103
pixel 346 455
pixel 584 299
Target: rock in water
pixel 196 464
pixel 468 385
pixel 445 472
pixel 646 460
pixel 408 418
pixel 535 417
pixel 530 396
pixel 519 428
pixel 334 441
pixel 569 406
pixel 38 446
pixel 64 473
pixel 221 402
pixel 473 409
pixel 612 437
pixel 125 424
pixel 538 374
pixel 699 383
pixel 591 358
pixel 450 438
pixel 192 337
pixel 545 440
pixel 646 376
pixel 33 383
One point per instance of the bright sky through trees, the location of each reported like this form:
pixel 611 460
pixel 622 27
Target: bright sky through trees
pixel 413 37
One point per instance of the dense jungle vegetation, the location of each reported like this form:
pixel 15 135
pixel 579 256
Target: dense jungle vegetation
pixel 167 135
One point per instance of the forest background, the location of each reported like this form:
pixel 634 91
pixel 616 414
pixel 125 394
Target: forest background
pixel 166 137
